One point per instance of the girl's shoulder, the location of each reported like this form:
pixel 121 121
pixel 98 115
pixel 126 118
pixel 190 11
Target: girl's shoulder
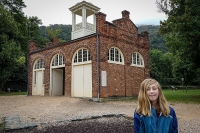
pixel 172 111
pixel 137 114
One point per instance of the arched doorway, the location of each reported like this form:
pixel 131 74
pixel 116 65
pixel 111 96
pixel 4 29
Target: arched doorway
pixel 82 74
pixel 57 75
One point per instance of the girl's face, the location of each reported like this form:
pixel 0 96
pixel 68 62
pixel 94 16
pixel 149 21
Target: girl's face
pixel 152 93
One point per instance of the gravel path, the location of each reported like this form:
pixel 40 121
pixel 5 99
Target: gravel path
pixel 50 111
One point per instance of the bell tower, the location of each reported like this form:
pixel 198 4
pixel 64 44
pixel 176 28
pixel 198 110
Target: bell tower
pixel 83 9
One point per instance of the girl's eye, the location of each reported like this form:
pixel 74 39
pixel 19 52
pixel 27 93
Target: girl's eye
pixel 154 88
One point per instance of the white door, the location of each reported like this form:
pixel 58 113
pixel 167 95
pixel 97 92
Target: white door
pixel 39 83
pixel 78 81
pixel 82 80
pixel 87 79
pixel 57 82
pixel 34 87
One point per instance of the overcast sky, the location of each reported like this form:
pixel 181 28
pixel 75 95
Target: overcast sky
pixel 57 11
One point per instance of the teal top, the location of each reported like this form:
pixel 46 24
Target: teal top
pixel 156 124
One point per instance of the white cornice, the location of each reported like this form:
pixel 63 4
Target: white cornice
pixel 88 5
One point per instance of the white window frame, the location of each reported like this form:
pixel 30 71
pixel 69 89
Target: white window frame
pixel 58 61
pixel 82 56
pixel 115 56
pixel 39 64
pixel 137 60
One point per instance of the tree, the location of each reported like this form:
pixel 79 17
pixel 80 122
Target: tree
pixel 51 33
pixel 183 68
pixel 161 66
pixel 64 34
pixel 156 40
pixel 155 64
pixel 33 28
pixel 34 31
pixel 9 49
pixel 182 33
pixel 14 7
pixel 16 29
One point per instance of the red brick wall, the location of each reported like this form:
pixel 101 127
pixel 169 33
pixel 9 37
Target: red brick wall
pixel 122 80
pixel 67 50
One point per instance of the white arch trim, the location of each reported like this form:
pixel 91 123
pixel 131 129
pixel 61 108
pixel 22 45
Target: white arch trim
pixel 137 60
pixel 115 56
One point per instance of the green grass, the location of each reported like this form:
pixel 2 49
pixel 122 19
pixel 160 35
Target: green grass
pixel 190 96
pixel 2 93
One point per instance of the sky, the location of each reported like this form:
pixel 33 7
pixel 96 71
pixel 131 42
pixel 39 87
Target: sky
pixel 142 12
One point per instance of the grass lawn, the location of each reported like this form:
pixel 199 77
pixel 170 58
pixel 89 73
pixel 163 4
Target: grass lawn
pixel 2 93
pixel 190 96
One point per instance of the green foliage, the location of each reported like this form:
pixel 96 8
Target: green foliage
pixel 8 26
pixel 161 66
pixel 51 34
pixel 34 31
pixel 156 40
pixel 20 74
pixel 16 29
pixel 182 68
pixel 155 64
pixel 9 49
pixel 182 33
pixel 33 28
pixel 14 7
pixel 8 56
pixel 63 32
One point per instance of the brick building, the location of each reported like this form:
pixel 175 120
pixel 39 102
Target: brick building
pixel 103 59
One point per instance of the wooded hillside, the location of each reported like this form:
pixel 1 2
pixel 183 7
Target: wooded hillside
pixel 156 40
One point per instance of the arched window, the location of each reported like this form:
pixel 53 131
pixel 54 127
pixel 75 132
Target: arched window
pixel 137 60
pixel 39 64
pixel 83 55
pixel 58 60
pixel 115 56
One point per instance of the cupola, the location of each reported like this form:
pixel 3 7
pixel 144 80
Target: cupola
pixel 83 9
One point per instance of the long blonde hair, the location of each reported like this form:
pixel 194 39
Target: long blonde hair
pixel 144 103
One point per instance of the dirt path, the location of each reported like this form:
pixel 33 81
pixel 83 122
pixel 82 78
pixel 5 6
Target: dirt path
pixel 188 117
pixel 53 109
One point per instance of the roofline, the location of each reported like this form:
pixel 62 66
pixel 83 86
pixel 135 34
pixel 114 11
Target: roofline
pixel 61 44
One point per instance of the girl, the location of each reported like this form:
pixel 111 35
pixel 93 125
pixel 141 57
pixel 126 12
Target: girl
pixel 153 114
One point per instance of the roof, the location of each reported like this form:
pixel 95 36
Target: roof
pixel 91 9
